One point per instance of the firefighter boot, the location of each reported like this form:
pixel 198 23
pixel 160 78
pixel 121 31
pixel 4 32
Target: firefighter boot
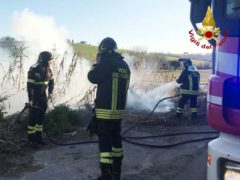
pixel 39 139
pixel 32 141
pixel 106 173
pixel 116 172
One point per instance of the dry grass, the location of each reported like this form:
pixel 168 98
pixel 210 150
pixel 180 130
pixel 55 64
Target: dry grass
pixel 205 74
pixel 164 76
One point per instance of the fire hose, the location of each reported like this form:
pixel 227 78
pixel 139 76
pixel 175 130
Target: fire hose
pixel 127 138
pixel 149 115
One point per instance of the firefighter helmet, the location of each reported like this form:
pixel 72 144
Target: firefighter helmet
pixel 107 44
pixel 44 57
pixel 185 62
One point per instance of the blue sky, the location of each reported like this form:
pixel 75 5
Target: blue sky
pixel 155 25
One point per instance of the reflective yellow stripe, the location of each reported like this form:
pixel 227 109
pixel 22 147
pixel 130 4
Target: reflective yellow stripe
pixel 109 111
pixel 193 109
pixel 106 161
pixel 115 75
pixel 179 110
pixel 31 129
pixel 121 75
pixel 117 154
pixel 185 91
pixel 109 114
pixel 31 81
pixel 39 128
pixel 114 93
pixel 31 132
pixel 106 154
pixel 42 82
pixel 190 82
pixel 38 83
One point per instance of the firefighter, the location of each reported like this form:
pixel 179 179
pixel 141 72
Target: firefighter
pixel 111 74
pixel 189 80
pixel 40 78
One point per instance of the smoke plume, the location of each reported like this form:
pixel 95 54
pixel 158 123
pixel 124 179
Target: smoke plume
pixel 143 93
pixel 41 33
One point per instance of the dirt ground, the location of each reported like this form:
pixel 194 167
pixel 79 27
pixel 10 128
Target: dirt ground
pixel 80 162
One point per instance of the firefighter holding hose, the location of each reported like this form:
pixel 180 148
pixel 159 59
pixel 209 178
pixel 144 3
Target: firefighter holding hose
pixel 111 74
pixel 189 80
pixel 40 78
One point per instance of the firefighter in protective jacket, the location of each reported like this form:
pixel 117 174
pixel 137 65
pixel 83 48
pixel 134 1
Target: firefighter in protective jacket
pixel 111 74
pixel 40 78
pixel 189 80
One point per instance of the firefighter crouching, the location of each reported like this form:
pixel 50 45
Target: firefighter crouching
pixel 111 74
pixel 40 78
pixel 189 80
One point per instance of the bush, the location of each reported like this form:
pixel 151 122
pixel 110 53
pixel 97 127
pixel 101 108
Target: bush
pixel 63 119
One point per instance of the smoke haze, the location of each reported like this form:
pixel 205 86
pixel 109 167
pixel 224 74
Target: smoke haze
pixel 41 33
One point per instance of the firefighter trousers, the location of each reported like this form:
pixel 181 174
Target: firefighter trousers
pixel 110 146
pixel 184 100
pixel 36 117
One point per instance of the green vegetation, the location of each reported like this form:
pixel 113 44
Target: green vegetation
pixel 171 58
pixel 63 119
pixel 205 74
pixel 89 52
pixel 202 64
pixel 85 51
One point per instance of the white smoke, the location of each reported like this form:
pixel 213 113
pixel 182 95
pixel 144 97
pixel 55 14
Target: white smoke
pixel 144 95
pixel 138 100
pixel 41 33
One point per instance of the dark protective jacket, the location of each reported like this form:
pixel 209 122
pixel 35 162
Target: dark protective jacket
pixel 112 77
pixel 189 80
pixel 39 79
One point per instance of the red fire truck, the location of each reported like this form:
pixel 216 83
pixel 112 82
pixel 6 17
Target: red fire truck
pixel 224 87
